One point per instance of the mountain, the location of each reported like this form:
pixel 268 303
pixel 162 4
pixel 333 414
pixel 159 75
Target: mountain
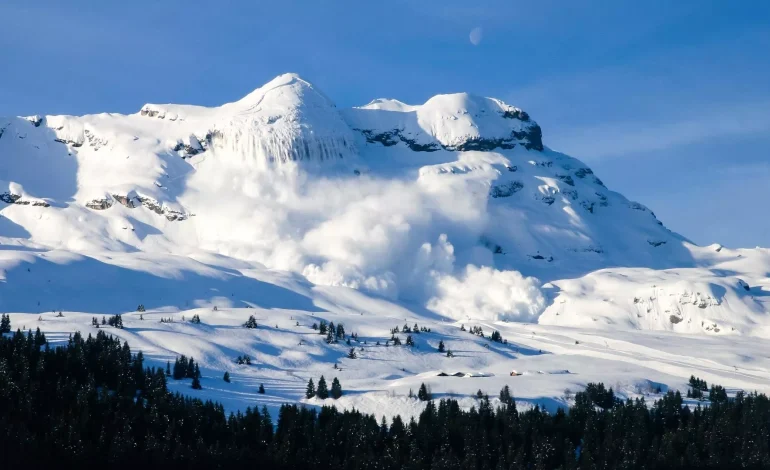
pixel 283 204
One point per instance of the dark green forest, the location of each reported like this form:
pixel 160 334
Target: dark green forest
pixel 94 403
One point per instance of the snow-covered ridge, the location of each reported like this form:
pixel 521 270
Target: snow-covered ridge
pixel 451 122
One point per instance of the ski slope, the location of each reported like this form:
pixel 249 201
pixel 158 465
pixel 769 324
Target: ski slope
pixel 284 206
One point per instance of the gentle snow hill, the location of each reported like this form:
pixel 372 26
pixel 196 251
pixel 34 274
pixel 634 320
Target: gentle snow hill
pixel 281 203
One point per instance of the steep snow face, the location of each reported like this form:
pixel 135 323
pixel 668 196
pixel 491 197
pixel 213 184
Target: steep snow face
pixel 454 206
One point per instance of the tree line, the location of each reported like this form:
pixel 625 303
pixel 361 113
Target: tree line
pixel 94 401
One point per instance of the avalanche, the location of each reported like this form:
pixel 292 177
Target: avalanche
pixel 447 213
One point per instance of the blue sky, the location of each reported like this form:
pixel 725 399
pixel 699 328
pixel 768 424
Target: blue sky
pixel 668 101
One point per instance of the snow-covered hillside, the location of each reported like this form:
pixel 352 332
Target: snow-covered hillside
pixel 450 211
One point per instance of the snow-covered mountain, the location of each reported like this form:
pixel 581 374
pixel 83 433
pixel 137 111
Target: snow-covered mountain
pixel 455 209
pixel 454 204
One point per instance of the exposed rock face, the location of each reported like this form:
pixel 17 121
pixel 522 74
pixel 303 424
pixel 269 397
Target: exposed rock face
pixel 135 201
pixel 10 198
pixel 100 204
pixel 506 190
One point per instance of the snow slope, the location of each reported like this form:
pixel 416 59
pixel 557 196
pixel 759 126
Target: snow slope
pixel 283 204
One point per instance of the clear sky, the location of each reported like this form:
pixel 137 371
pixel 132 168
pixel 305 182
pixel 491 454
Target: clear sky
pixel 668 101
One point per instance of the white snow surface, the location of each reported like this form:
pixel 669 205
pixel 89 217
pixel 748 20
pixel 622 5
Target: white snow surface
pixel 283 206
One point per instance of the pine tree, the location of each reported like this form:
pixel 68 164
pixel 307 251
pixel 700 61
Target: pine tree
pixel 189 372
pixel 251 322
pixel 196 319
pixel 409 340
pixel 226 378
pixel 505 395
pixel 323 327
pixel 261 389
pixel 196 383
pixel 310 391
pixel 352 353
pixel 5 324
pixel 441 346
pixel 423 394
pixel 336 389
pixel 180 368
pixel 340 331
pixel 168 368
pixel 323 391
pixel 197 372
pixel 104 321
pixel 449 353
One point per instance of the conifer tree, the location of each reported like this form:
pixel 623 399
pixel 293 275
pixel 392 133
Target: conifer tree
pixel 261 389
pixel 226 378
pixel 505 395
pixel 196 383
pixel 336 389
pixel 322 391
pixel 409 340
pixel 179 369
pixel 251 323
pixel 190 369
pixel 423 394
pixel 5 324
pixel 441 346
pixel 352 353
pixel 310 391
pixel 168 368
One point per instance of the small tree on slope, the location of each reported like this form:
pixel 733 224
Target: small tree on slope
pixel 323 391
pixel 336 388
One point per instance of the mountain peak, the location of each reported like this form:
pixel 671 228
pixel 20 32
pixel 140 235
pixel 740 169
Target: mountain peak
pixel 457 121
pixel 292 89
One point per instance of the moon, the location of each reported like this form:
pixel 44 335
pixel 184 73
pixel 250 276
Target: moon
pixel 476 35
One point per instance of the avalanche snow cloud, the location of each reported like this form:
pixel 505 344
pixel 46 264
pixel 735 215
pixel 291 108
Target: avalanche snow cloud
pixel 455 205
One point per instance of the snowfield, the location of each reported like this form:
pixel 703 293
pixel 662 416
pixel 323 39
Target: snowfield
pixel 449 213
